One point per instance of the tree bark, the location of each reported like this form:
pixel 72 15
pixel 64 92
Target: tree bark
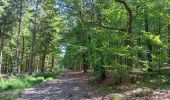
pixel 52 63
pixel 169 44
pixel 85 63
pixel 130 16
pixel 17 63
pixel 1 48
pixel 43 60
pixel 11 56
pixel 33 43
pixel 23 51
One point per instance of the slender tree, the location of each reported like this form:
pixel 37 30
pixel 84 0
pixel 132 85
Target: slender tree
pixel 20 7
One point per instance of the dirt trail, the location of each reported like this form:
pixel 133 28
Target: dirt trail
pixel 71 86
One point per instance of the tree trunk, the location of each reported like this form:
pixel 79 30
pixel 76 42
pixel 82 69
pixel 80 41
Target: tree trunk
pixel 84 63
pixel 0 61
pixel 17 63
pixel 81 18
pixel 103 74
pixel 11 57
pixel 43 60
pixel 33 43
pixel 159 30
pixel 43 63
pixel 9 64
pixel 169 44
pixel 52 63
pixel 1 48
pixel 6 65
pixel 27 65
pixel 23 51
pixel 149 55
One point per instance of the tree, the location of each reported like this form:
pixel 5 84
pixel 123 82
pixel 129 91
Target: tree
pixel 7 22
pixel 20 7
pixel 36 4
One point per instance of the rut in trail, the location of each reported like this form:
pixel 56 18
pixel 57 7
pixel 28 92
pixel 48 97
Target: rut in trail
pixel 71 86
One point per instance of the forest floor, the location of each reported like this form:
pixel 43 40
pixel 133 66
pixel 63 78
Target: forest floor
pixel 77 86
pixel 71 86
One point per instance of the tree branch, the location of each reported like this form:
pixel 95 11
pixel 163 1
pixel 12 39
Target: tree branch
pixel 130 17
pixel 107 27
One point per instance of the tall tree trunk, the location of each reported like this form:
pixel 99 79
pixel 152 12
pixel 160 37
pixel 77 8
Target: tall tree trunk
pixel 33 43
pixel 27 65
pixel 6 65
pixel 159 31
pixel 1 48
pixel 149 55
pixel 84 63
pixel 11 57
pixel 43 63
pixel 52 62
pixel 17 63
pixel 9 63
pixel 103 74
pixel 99 66
pixel 23 51
pixel 43 60
pixel 169 44
pixel 81 18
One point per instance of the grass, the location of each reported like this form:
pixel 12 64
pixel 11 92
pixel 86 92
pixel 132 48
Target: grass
pixel 106 90
pixel 10 94
pixel 12 87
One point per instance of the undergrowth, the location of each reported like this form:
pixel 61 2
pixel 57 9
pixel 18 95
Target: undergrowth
pixel 10 88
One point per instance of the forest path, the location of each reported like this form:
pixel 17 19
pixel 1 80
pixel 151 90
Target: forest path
pixel 71 86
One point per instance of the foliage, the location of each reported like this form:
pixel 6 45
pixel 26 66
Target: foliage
pixel 99 30
pixel 41 35
pixel 24 81
pixel 12 87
